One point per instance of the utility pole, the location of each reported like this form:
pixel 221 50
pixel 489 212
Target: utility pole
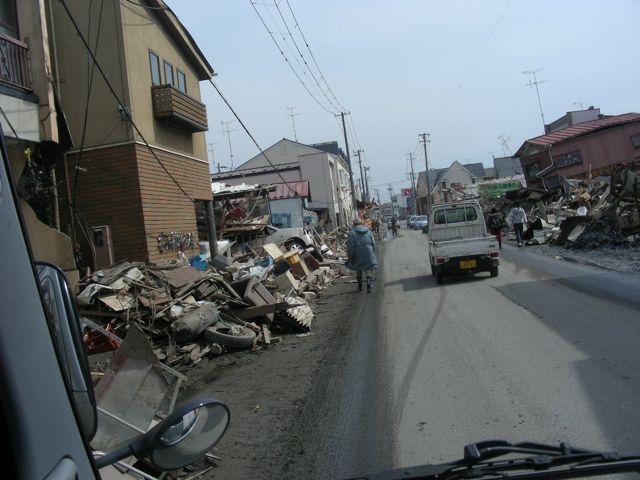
pixel 225 129
pixel 535 84
pixel 390 190
pixel 346 144
pixel 413 186
pixel 366 183
pixel 291 115
pixel 425 140
pixel 378 195
pixel 358 153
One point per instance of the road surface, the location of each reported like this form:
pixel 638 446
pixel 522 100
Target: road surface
pixel 547 351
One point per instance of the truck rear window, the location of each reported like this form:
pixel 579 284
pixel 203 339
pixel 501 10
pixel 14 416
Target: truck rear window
pixel 455 215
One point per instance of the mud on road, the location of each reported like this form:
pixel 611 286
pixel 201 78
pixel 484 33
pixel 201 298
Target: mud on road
pixel 275 393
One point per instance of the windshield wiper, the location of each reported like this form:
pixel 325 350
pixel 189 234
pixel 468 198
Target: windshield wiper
pixel 525 460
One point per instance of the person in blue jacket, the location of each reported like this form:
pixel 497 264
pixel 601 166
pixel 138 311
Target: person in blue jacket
pixel 361 256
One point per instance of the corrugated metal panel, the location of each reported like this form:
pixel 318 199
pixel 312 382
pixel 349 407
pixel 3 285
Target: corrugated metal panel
pixel 457 232
pixel 290 190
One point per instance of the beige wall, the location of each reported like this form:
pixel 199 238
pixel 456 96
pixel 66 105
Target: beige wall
pixel 32 26
pixel 141 33
pixel 105 125
pixel 127 33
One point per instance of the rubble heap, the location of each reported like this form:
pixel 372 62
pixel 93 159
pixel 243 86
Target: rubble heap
pixel 589 213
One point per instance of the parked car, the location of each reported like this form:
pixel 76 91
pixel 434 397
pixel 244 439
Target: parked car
pixel 459 242
pixel 421 222
pixel 410 220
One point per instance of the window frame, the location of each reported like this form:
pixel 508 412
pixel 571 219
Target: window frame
pixel 166 64
pixel 179 74
pixel 153 55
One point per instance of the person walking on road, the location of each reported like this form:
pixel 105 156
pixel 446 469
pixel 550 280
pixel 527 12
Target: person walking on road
pixel 517 218
pixel 495 224
pixel 394 226
pixel 361 256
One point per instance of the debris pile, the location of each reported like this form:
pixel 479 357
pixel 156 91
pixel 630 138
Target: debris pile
pixel 604 211
pixel 189 311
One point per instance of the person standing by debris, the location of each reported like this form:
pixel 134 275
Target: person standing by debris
pixel 394 226
pixel 495 224
pixel 517 218
pixel 361 256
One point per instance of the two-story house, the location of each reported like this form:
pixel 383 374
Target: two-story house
pixel 139 163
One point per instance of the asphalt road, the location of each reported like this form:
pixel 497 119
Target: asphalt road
pixel 547 351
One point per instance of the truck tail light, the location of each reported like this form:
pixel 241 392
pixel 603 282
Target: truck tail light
pixel 441 260
pixel 493 254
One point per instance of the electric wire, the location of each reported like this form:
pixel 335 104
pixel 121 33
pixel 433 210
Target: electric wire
pixel 342 108
pixel 90 76
pixel 262 152
pixel 147 7
pixel 337 108
pixel 306 87
pixel 473 63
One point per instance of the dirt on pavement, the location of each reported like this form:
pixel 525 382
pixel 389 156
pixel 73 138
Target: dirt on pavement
pixel 273 393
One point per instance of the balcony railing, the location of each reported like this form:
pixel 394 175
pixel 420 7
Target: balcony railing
pixel 173 106
pixel 14 63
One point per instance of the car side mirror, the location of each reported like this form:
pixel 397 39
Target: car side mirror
pixel 180 439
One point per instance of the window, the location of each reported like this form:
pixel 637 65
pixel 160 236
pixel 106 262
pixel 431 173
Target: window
pixel 635 140
pixel 154 61
pixel 553 181
pixel 8 18
pixel 182 81
pixel 455 215
pixel 168 73
pixel 568 159
pixel 532 170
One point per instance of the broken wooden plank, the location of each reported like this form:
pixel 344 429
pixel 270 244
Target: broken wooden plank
pixel 266 335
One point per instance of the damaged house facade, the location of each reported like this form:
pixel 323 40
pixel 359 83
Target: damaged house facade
pixel 582 150
pixel 34 127
pixel 130 191
pixel 327 174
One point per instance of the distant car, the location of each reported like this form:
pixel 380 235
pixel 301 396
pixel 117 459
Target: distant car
pixel 410 220
pixel 421 222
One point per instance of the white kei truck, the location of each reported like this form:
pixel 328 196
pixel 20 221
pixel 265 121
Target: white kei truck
pixel 459 242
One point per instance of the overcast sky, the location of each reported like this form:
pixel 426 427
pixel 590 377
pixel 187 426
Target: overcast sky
pixel 453 69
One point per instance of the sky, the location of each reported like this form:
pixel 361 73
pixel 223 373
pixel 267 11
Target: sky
pixel 452 69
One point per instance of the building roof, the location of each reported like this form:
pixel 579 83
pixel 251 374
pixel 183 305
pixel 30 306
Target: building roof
pixel 250 171
pixel 578 130
pixel 290 190
pixel 476 169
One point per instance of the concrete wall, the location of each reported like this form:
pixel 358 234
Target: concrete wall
pixel 457 174
pixel 284 151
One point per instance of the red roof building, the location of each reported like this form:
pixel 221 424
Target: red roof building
pixel 583 149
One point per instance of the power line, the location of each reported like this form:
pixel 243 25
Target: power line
pixel 306 87
pixel 286 25
pixel 342 108
pixel 473 63
pixel 224 99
